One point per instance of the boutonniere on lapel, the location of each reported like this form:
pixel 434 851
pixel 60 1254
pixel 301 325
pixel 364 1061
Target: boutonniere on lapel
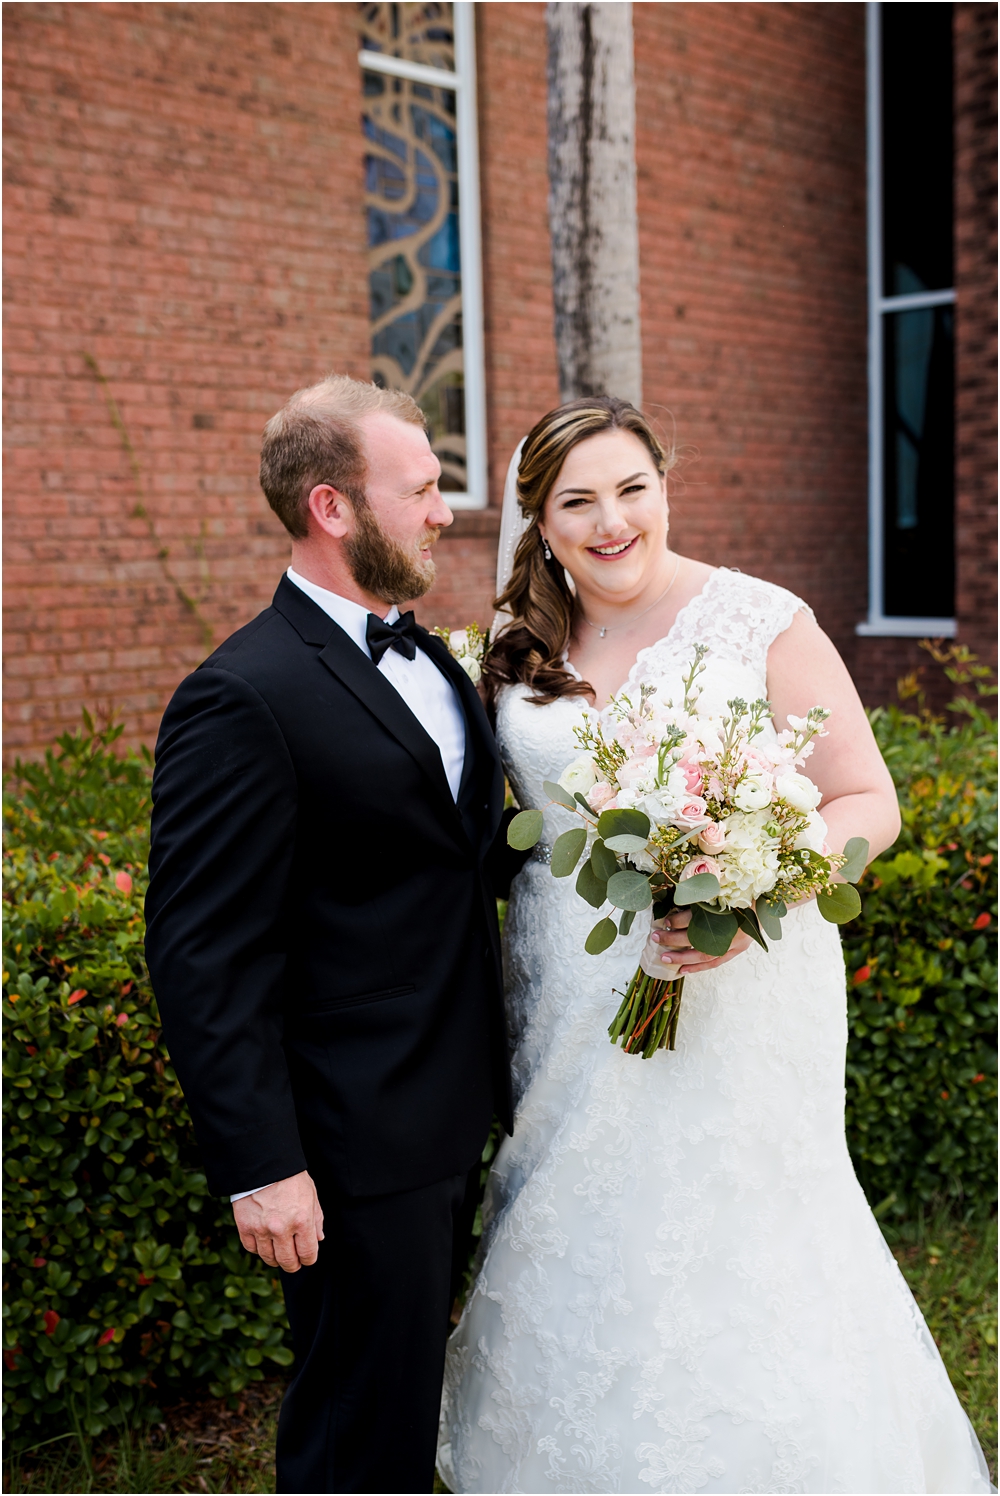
pixel 468 646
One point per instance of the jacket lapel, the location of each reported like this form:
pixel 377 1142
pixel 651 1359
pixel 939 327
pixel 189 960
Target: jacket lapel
pixel 482 756
pixel 355 670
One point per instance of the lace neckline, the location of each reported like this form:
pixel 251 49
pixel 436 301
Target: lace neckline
pixel 647 650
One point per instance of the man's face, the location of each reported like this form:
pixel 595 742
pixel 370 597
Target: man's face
pixel 390 550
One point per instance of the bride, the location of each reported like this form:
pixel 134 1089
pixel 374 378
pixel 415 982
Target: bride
pixel 682 1286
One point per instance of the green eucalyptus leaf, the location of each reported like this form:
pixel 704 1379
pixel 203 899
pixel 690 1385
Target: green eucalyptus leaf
pixel 623 823
pixel 630 890
pixel 710 932
pixel 566 851
pixel 842 903
pixel 770 913
pixel 525 829
pixel 695 890
pixel 856 852
pixel 556 792
pixel 749 924
pixel 625 923
pixel 589 886
pixel 601 936
pixel 605 862
pixel 626 844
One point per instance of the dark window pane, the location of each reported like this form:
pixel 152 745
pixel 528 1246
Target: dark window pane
pixel 919 464
pixel 917 147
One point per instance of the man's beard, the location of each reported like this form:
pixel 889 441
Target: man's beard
pixel 381 567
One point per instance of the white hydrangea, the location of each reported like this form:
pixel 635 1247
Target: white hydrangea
pixel 661 804
pixel 750 859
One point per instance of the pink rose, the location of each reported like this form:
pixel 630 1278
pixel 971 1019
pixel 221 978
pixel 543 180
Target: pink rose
pixel 690 813
pixel 644 750
pixel 600 795
pixel 713 838
pixel 700 865
pixel 693 775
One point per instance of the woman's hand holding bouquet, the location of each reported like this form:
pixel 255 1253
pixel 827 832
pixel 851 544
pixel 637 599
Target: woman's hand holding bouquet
pixel 682 810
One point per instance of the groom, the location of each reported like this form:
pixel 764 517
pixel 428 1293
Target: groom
pixel 322 936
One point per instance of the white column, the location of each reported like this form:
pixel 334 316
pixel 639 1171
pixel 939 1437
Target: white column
pixel 592 199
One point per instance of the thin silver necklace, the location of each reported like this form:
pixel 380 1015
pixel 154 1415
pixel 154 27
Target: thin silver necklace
pixel 610 627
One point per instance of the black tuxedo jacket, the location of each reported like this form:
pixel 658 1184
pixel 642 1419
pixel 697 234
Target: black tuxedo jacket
pixel 321 916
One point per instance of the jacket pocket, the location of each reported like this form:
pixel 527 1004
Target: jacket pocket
pixel 335 1004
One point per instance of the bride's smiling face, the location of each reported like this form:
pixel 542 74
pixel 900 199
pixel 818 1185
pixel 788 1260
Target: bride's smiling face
pixel 606 517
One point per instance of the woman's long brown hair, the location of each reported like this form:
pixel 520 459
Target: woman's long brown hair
pixel 532 647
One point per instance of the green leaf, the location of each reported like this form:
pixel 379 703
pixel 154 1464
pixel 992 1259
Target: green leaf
pixel 697 890
pixel 524 830
pixel 626 843
pixel 601 936
pixel 556 792
pixel 856 852
pixel 566 851
pixel 625 923
pixel 582 801
pixel 710 932
pixel 590 887
pixel 623 823
pixel 630 890
pixel 770 913
pixel 748 923
pixel 842 903
pixel 605 862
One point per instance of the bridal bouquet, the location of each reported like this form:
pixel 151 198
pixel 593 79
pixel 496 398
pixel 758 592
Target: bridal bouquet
pixel 469 647
pixel 681 809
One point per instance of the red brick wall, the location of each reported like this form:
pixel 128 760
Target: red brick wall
pixel 184 205
pixel 521 378
pixel 976 279
pixel 751 174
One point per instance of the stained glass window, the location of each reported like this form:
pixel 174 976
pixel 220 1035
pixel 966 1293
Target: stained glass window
pixel 421 202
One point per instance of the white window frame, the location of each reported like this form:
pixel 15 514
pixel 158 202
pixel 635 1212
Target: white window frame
pixel 878 308
pixel 463 82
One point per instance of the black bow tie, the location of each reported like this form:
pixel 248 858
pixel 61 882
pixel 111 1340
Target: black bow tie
pixel 400 635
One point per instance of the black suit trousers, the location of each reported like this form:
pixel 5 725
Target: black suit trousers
pixel 369 1324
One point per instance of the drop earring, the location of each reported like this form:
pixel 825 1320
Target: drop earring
pixel 545 548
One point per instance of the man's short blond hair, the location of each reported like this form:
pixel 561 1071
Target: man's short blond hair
pixel 315 438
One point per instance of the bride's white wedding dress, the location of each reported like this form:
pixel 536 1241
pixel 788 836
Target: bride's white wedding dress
pixel 683 1287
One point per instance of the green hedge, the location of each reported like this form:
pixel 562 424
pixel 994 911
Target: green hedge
pixel 921 1059
pixel 123 1274
pixel 124 1277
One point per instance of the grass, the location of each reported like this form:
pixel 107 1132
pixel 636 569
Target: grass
pixel 952 1272
pixel 207 1446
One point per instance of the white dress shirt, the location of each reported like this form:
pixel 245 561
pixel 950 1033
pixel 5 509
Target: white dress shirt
pixel 430 696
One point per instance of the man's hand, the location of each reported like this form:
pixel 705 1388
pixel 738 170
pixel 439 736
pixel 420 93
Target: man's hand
pixel 282 1223
pixel 668 947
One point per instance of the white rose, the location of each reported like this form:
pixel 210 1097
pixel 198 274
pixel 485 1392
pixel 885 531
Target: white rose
pixel 798 792
pixel 579 775
pixel 458 641
pixel 812 837
pixel 753 793
pixel 472 668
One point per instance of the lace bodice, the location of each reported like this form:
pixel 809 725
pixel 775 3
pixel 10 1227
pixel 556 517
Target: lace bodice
pixel 682 1287
pixel 736 616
